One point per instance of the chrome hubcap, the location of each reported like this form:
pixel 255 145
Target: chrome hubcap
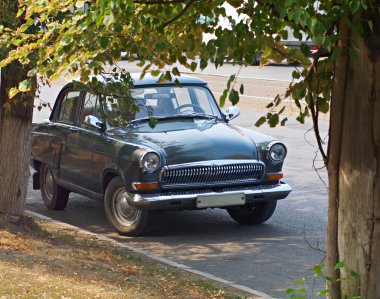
pixel 49 185
pixel 124 213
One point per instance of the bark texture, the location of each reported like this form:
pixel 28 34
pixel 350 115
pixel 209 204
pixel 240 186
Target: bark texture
pixel 334 149
pixel 15 128
pixel 354 170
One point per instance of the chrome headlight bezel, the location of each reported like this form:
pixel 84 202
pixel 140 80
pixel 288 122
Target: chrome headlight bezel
pixel 150 161
pixel 272 147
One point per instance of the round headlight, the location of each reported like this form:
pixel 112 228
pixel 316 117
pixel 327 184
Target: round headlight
pixel 150 161
pixel 277 152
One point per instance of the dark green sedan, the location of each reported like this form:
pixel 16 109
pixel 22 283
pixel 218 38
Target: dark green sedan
pixel 192 158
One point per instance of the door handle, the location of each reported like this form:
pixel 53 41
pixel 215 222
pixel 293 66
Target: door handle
pixel 73 130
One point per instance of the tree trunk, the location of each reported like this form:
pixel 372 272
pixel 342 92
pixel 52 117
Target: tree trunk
pixel 15 128
pixel 354 169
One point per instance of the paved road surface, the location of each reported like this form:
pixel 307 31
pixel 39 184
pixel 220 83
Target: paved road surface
pixel 268 257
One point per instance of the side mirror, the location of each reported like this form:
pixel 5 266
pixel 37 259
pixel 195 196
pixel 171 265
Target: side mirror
pixel 93 122
pixel 232 112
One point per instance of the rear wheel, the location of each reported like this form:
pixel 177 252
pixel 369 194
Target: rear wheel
pixel 127 220
pixel 54 196
pixel 253 214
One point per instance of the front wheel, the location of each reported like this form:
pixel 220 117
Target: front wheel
pixel 127 220
pixel 54 196
pixel 253 214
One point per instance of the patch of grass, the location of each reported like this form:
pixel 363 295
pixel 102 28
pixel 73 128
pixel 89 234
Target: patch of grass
pixel 207 285
pixel 44 260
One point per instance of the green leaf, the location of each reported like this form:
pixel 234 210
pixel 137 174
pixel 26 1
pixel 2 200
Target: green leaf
pixel 155 73
pixel 289 291
pixel 355 274
pixel 65 40
pixel 223 98
pixel 115 54
pixel 354 5
pixel 300 291
pixel 79 4
pixel 296 75
pixel 20 12
pixel 234 97
pixel 283 121
pixel 193 66
pixel 13 92
pixel 25 85
pixel 152 122
pixel 230 80
pixel 340 265
pixel 370 25
pixel 323 292
pixel 260 121
pixel 175 71
pixel 300 282
pixel 323 105
pixel 273 121
pixel 32 72
pixel 241 89
pixel 108 19
pixel 103 42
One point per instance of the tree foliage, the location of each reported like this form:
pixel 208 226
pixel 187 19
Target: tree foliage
pixel 79 38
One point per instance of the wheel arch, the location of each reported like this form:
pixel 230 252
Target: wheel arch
pixel 107 177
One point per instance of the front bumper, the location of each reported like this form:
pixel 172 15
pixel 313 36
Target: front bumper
pixel 187 199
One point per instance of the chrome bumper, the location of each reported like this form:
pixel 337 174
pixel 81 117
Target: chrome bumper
pixel 257 193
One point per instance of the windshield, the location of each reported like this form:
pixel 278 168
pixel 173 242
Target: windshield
pixel 164 102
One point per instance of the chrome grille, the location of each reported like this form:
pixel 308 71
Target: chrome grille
pixel 212 174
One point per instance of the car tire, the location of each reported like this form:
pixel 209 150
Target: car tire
pixel 253 214
pixel 54 196
pixel 127 220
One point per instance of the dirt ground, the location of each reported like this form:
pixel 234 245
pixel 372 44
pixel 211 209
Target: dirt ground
pixel 42 259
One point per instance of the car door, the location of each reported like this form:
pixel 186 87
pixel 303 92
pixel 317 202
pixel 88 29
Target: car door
pixel 64 126
pixel 82 143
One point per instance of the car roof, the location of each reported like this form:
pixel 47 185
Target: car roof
pixel 150 80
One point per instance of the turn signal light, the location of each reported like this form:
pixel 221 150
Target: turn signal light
pixel 314 48
pixel 145 186
pixel 275 176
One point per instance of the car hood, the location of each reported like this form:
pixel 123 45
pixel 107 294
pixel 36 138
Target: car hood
pixel 189 141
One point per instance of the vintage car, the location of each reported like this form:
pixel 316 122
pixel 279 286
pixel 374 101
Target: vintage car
pixel 193 158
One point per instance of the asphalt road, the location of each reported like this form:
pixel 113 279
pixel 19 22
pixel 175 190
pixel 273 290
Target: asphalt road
pixel 268 257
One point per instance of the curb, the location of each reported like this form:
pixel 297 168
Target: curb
pixel 154 257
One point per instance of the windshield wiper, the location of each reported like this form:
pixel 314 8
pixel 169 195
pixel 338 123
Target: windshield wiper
pixel 194 115
pixel 174 116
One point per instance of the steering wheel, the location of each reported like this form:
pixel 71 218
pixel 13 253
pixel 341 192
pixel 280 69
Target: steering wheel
pixel 194 106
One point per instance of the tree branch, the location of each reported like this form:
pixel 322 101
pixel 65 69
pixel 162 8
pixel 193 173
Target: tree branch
pixel 158 2
pixel 187 6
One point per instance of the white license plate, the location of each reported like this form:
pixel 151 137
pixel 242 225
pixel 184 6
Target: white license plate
pixel 220 200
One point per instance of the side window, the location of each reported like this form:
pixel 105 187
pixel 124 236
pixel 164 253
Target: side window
pixel 91 106
pixel 68 108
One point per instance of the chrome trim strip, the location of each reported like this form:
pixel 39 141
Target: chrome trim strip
pixel 278 191
pixel 212 163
